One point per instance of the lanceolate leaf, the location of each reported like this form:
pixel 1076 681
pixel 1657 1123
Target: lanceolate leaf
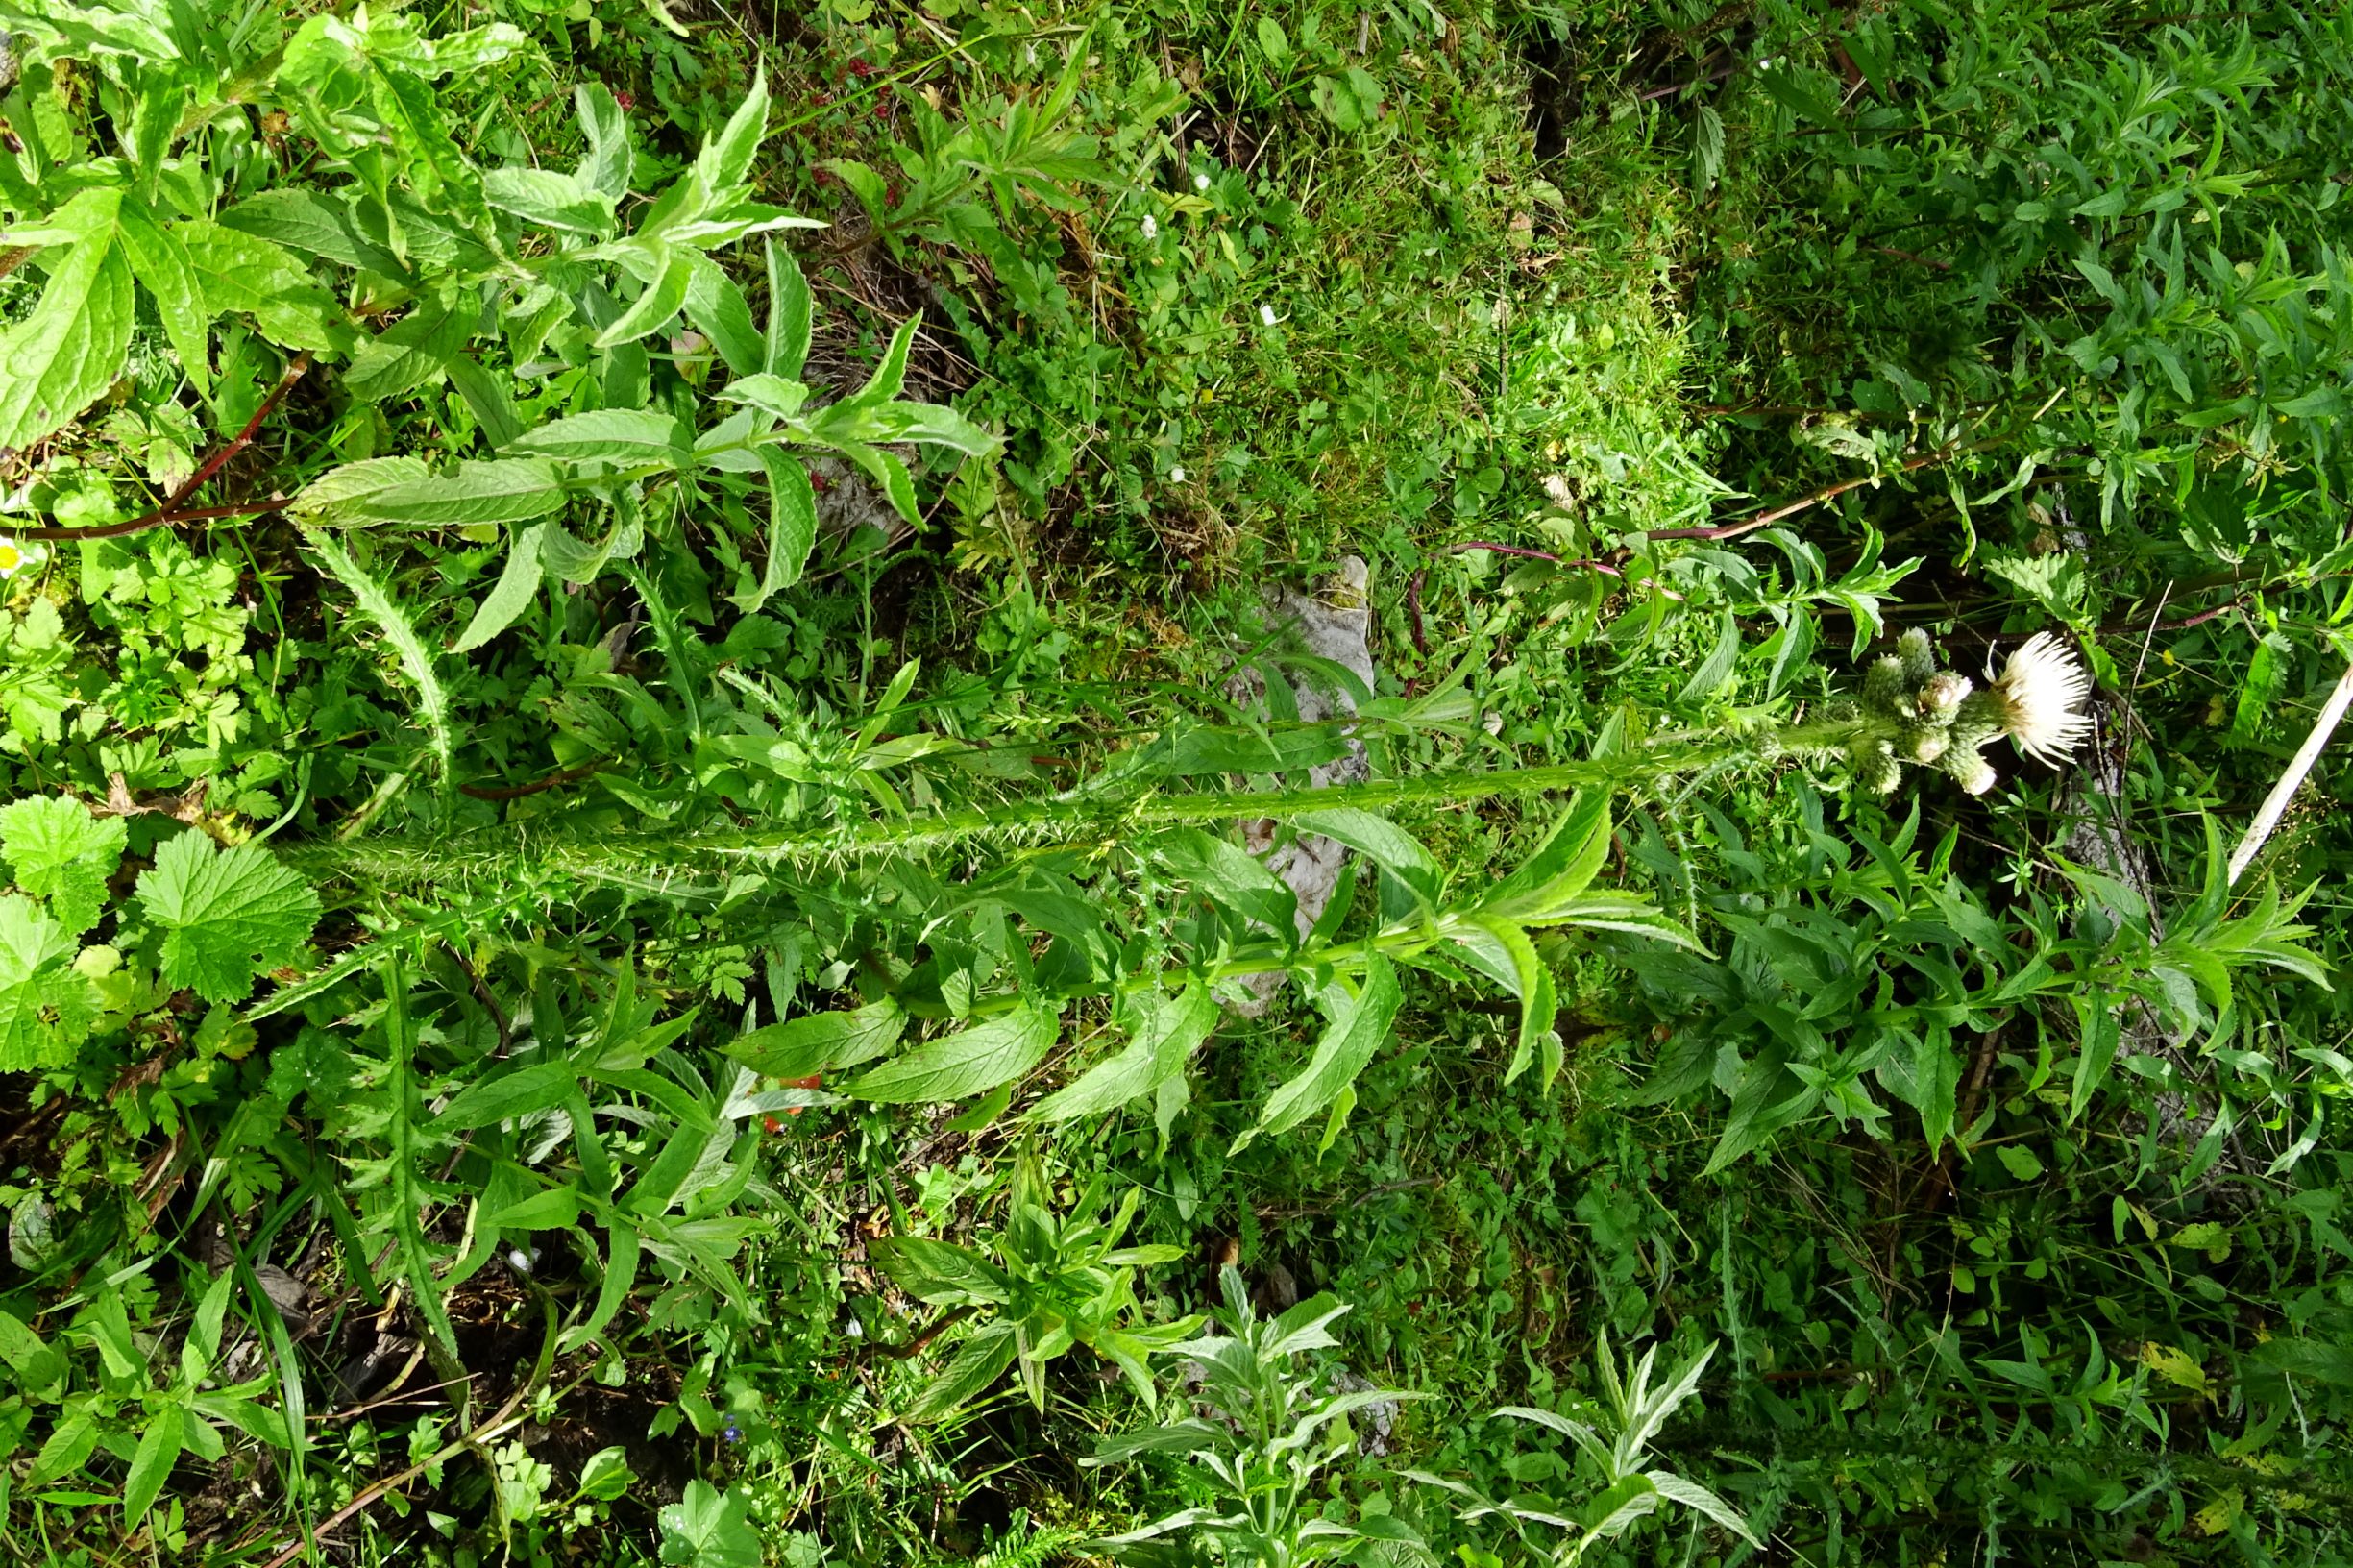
pixel 377 605
pixel 162 264
pixel 788 315
pixel 413 351
pixel 1169 1030
pixel 661 300
pixel 1360 1023
pixel 517 586
pixel 970 1062
pixel 226 915
pixel 792 521
pixel 822 1042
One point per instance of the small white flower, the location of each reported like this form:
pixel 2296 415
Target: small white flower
pixel 1267 314
pixel 1151 230
pixel 1176 476
pixel 15 554
pixel 519 1261
pixel 2040 693
pixel 1201 181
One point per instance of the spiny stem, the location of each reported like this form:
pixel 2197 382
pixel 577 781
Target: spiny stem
pixel 1073 818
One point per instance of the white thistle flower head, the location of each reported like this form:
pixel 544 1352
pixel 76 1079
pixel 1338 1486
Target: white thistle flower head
pixel 15 554
pixel 1151 228
pixel 2041 694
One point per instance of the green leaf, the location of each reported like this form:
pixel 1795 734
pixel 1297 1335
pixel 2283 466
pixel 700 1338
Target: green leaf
pixel 792 525
pixel 1390 846
pixel 1166 1034
pixel 789 312
pixel 1360 1024
pixel 890 376
pixel 725 161
pixel 817 1042
pixel 1562 866
pixel 719 312
pixel 606 1475
pixel 706 1528
pixel 245 275
pixel 345 495
pixel 414 351
pixel 657 304
pixel 45 1006
pixel 938 1272
pixel 542 1086
pixel 518 585
pixel 625 437
pixel 980 1361
pixel 63 853
pixel 970 1062
pixel 160 263
pixel 151 1464
pixel 2097 1034
pixel 551 199
pixel 1540 1002
pixel 501 490
pixel 308 220
pixel 606 163
pixel 62 357
pixel 226 915
pixel 770 394
pixel 416 659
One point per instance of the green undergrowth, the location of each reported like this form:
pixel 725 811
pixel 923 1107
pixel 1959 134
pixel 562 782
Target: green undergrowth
pixel 645 764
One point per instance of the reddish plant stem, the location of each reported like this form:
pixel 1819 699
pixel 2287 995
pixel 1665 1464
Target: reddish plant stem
pixel 169 512
pixel 1602 567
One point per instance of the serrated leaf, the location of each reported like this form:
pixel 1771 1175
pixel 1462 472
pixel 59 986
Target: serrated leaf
pixel 979 1362
pixel 938 1272
pixel 970 1062
pixel 606 163
pixel 1165 1036
pixel 719 312
pixel 1360 1024
pixel 62 357
pixel 44 1005
pixel 344 495
pixel 890 377
pixel 822 1042
pixel 413 351
pixel 625 437
pixel 789 312
pixel 502 490
pixel 1563 865
pixel 312 221
pixel 416 659
pixel 226 915
pixel 725 160
pixel 791 524
pixel 63 853
pixel 660 301
pixel 245 275
pixel 549 198
pixel 160 263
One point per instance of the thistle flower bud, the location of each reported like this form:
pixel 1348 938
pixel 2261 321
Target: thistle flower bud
pixel 1926 745
pixel 1970 770
pixel 1941 695
pixel 1919 657
pixel 1884 690
pixel 1875 770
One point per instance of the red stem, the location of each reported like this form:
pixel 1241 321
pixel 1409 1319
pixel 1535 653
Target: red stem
pixel 169 512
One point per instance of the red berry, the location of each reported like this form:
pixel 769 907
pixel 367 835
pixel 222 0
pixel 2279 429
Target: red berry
pixel 627 100
pixel 771 1124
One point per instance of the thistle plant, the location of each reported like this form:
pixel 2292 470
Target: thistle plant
pixel 1910 711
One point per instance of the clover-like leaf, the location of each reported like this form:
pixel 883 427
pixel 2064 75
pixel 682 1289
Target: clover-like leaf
pixel 226 915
